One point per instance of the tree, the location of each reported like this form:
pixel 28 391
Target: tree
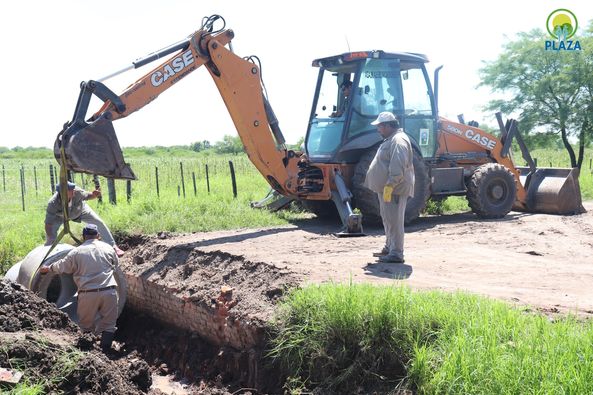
pixel 197 146
pixel 229 145
pixel 550 89
pixel 298 145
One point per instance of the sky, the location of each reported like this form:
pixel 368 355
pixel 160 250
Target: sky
pixel 50 47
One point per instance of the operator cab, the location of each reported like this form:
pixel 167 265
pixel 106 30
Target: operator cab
pixel 339 126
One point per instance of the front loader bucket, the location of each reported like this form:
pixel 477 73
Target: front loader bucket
pixel 552 190
pixel 93 148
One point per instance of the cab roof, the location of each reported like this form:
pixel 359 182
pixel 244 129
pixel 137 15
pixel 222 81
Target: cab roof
pixel 374 54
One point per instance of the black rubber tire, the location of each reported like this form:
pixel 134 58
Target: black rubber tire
pixel 417 203
pixel 491 191
pixel 367 201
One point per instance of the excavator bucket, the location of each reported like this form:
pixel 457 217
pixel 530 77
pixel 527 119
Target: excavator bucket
pixel 552 190
pixel 93 148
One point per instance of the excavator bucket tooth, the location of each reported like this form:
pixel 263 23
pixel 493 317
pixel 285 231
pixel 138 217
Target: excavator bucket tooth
pixel 553 191
pixel 93 148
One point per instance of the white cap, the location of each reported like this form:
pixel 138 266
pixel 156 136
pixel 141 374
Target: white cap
pixel 384 117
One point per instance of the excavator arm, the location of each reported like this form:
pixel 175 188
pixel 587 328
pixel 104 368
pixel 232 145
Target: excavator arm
pixel 91 146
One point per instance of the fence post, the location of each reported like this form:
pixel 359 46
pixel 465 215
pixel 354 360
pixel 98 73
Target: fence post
pixel 52 181
pixel 128 190
pixel 156 176
pixel 535 161
pixel 35 175
pixel 233 180
pixel 97 187
pixel 111 191
pixel 590 161
pixel 4 177
pixel 23 187
pixel 23 180
pixel 56 174
pixel 207 179
pixel 178 191
pixel 193 178
pixel 182 179
pixel 69 174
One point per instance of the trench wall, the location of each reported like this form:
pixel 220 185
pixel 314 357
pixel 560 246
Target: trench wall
pixel 204 319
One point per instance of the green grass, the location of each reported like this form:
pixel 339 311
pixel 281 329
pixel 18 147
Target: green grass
pixel 336 336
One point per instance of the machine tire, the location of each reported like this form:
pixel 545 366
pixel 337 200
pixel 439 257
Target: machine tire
pixel 417 203
pixel 491 191
pixel 367 201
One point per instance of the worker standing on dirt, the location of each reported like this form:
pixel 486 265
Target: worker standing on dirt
pixel 78 211
pixel 391 176
pixel 93 265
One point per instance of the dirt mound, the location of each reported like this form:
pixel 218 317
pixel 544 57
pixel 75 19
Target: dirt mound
pixel 20 309
pixel 199 276
pixel 41 341
pixel 63 368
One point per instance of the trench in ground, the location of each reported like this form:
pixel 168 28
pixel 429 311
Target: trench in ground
pixel 174 320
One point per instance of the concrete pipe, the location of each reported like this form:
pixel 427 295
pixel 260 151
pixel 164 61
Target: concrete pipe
pixel 56 288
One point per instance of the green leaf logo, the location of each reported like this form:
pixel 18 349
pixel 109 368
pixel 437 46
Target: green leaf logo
pixel 562 24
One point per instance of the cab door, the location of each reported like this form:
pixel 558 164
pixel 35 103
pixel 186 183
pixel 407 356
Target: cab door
pixel 418 118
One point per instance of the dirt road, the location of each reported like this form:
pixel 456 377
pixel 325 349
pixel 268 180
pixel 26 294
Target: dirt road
pixel 541 260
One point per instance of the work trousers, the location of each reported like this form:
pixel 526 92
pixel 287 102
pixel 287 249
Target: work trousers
pixel 97 311
pixel 88 217
pixel 393 214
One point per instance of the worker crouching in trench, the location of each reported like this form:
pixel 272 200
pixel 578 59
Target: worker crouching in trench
pixel 93 265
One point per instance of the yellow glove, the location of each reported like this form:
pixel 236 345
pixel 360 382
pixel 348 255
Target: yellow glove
pixel 387 193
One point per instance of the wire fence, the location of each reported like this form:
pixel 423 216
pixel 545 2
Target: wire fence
pixel 28 184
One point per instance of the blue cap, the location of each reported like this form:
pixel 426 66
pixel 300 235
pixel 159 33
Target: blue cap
pixel 71 186
pixel 90 230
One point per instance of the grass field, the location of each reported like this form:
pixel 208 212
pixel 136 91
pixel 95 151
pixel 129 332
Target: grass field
pixel 337 336
pixel 147 212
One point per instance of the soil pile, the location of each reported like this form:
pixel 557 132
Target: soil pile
pixel 194 274
pixel 20 309
pixel 41 342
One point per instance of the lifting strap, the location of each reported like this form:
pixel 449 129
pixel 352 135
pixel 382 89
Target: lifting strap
pixel 63 193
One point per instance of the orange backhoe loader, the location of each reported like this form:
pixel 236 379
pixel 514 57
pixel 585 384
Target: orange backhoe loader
pixel 451 158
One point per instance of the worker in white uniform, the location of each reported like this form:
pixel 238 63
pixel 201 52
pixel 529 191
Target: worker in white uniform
pixel 93 265
pixel 78 211
pixel 391 176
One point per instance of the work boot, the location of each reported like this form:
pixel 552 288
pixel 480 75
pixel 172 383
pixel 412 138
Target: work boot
pixel 384 251
pixel 106 340
pixel 391 258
